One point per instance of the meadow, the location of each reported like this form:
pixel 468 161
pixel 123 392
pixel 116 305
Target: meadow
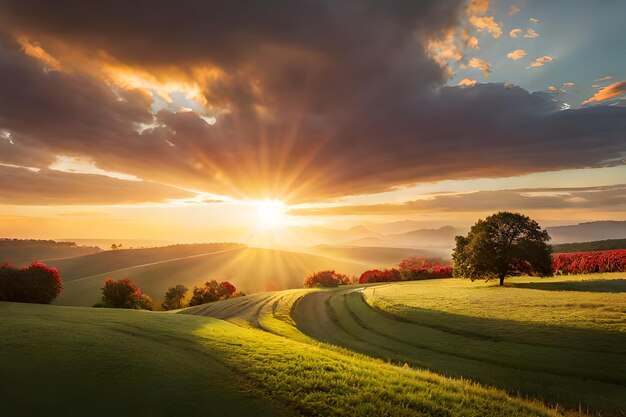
pixel 104 362
pixel 566 348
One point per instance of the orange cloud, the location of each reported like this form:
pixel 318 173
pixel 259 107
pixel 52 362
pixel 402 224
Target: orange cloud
pixel 514 33
pixel 517 54
pixel 467 82
pixel 553 88
pixel 487 24
pixel 478 7
pixel 531 34
pixel 482 65
pixel 608 92
pixel 513 10
pixel 540 62
pixel 34 50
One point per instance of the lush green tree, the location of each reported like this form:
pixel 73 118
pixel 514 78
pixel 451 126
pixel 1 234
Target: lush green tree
pixel 504 244
pixel 175 298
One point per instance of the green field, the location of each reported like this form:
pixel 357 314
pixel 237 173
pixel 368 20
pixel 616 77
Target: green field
pixel 563 347
pixel 61 361
pixel 249 269
pixel 425 348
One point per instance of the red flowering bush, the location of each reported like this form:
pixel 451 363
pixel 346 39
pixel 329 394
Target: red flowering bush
pixel 589 262
pixel 375 275
pixel 123 294
pixel 213 291
pixel 35 283
pixel 327 278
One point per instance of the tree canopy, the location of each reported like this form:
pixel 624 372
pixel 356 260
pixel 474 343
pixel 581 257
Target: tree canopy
pixel 504 244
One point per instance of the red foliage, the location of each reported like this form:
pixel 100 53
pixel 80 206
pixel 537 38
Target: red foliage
pixel 589 262
pixel 375 275
pixel 36 283
pixel 230 288
pixel 123 294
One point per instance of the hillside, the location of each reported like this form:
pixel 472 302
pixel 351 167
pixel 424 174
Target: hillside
pixel 249 269
pixel 585 232
pixel 429 239
pixel 24 251
pixel 376 257
pixel 103 362
pixel 596 245
pixel 563 347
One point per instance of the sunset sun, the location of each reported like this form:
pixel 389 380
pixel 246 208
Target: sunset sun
pixel 271 214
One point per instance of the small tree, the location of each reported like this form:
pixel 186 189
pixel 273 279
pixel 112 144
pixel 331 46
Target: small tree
pixel 35 283
pixel 175 298
pixel 212 291
pixel 504 244
pixel 328 278
pixel 123 294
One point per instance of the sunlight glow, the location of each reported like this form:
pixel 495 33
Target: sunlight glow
pixel 271 214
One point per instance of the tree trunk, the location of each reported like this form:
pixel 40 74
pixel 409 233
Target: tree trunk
pixel 502 280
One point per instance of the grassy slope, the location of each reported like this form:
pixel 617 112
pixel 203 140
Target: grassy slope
pixel 562 347
pixel 250 270
pixel 596 245
pixel 375 257
pixel 82 361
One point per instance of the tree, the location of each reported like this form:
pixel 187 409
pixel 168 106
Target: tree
pixel 328 278
pixel 212 291
pixel 35 283
pixel 123 294
pixel 504 244
pixel 175 298
pixel 113 246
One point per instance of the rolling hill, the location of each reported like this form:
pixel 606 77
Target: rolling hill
pixel 155 270
pixel 557 346
pixel 585 232
pixel 376 257
pixel 24 251
pixel 441 238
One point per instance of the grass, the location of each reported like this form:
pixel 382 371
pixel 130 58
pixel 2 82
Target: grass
pixel 250 270
pixel 60 361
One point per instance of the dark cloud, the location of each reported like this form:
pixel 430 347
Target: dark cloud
pixel 21 186
pixel 314 99
pixel 610 198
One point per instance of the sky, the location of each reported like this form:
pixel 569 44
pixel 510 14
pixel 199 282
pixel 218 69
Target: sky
pixel 217 120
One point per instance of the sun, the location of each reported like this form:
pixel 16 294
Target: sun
pixel 271 214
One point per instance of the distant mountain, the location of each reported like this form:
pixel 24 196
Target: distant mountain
pixel 595 245
pixel 317 235
pixel 397 227
pixel 442 237
pixel 586 232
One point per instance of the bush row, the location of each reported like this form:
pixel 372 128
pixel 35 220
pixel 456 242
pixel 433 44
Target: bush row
pixel 589 262
pixel 35 283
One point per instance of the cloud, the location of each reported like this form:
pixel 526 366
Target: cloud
pixel 568 84
pixel 605 78
pixel 531 34
pixel 24 187
pixel 487 24
pixel 482 65
pixel 513 10
pixel 517 54
pixel 607 198
pixel 541 61
pixel 467 82
pixel 302 111
pixel 514 33
pixel 610 91
pixel 533 20
pixel 553 88
pixel 478 7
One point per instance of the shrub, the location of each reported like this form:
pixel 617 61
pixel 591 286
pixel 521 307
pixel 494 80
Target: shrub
pixel 589 262
pixel 35 283
pixel 175 298
pixel 123 294
pixel 213 291
pixel 327 278
pixel 375 275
